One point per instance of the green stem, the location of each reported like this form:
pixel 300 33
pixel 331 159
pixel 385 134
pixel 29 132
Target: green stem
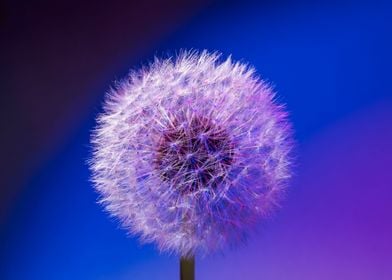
pixel 187 268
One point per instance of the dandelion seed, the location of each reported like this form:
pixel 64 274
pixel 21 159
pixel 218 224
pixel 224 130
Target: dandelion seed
pixel 191 152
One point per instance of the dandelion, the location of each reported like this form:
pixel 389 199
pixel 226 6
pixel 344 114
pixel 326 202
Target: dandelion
pixel 191 153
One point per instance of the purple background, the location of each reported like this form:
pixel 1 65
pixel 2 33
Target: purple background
pixel 330 62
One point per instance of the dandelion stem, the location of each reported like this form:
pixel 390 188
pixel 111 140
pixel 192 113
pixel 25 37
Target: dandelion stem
pixel 187 268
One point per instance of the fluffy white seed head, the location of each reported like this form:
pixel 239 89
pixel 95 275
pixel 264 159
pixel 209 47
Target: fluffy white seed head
pixel 191 152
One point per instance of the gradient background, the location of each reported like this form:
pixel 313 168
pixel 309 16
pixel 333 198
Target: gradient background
pixel 330 62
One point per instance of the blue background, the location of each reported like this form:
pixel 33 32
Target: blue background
pixel 330 63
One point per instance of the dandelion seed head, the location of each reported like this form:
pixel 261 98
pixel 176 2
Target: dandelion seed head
pixel 191 152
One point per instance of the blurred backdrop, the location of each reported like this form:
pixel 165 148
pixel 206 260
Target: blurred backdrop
pixel 329 61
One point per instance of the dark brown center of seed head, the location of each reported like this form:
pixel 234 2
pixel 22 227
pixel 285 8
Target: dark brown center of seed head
pixel 193 153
